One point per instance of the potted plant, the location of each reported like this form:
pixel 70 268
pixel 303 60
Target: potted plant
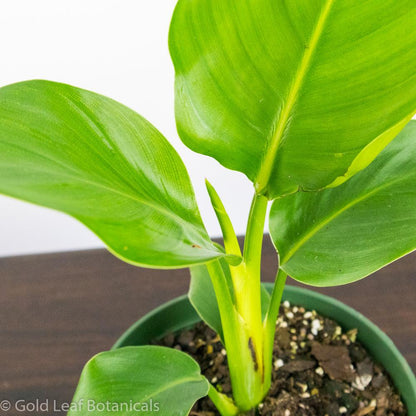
pixel 312 101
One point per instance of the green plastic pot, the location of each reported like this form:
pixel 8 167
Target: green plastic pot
pixel 179 314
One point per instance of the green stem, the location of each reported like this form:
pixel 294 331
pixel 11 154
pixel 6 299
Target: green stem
pixel 238 272
pixel 230 241
pixel 242 320
pixel 270 325
pixel 223 403
pixel 245 378
pixel 255 231
pixel 228 313
pixel 250 296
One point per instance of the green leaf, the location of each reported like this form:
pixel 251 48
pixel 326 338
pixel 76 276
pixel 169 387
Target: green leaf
pixel 202 296
pixel 340 235
pixel 139 380
pixel 296 95
pixel 100 162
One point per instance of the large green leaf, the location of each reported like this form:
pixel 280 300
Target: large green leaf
pixel 139 380
pixel 202 296
pixel 295 94
pixel 100 162
pixel 340 235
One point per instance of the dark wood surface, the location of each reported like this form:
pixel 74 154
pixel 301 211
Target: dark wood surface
pixel 58 310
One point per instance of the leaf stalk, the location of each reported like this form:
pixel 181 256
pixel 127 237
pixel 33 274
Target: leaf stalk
pixel 270 325
pixel 223 403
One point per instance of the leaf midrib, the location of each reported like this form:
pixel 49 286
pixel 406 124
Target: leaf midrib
pixel 308 236
pixel 174 384
pixel 266 167
pixel 81 179
pixel 98 185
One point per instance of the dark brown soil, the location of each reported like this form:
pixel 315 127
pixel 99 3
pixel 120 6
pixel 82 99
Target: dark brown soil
pixel 318 369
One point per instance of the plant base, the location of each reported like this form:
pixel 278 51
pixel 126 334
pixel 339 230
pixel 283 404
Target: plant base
pixel 318 370
pixel 178 314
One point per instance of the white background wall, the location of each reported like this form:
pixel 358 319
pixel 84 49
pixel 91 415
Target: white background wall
pixel 117 48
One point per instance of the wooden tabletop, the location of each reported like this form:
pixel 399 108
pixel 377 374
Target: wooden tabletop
pixel 57 310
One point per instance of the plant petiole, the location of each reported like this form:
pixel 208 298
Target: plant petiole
pixel 269 325
pixel 223 403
